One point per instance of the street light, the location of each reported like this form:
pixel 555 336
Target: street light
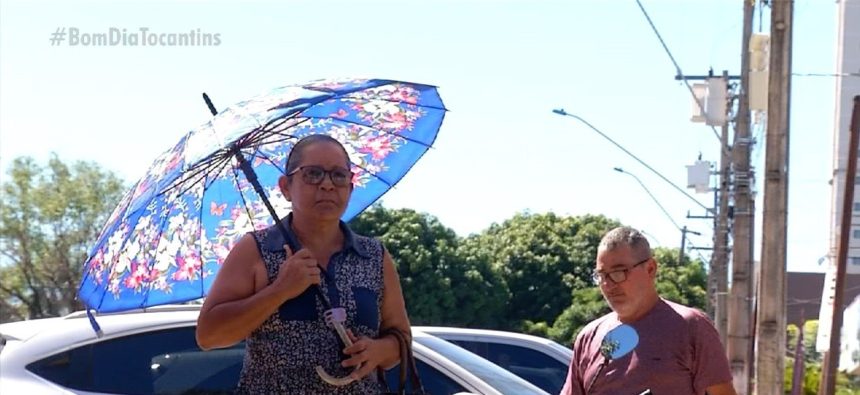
pixel 620 170
pixel 560 111
pixel 683 230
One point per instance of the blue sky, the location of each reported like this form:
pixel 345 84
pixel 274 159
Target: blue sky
pixel 501 68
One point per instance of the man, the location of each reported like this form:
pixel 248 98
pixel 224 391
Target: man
pixel 679 350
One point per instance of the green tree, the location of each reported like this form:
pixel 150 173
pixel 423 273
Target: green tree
pixel 543 258
pixel 685 284
pixel 587 304
pixel 443 283
pixel 49 218
pixel 845 384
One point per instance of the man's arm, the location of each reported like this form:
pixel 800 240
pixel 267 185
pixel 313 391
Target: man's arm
pixel 721 389
pixel 573 384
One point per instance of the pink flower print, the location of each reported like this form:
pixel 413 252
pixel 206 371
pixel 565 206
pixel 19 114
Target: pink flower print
pixel 378 147
pixel 173 163
pixel 341 113
pixel 395 121
pixel 188 268
pixel 404 95
pixel 137 276
pixel 221 252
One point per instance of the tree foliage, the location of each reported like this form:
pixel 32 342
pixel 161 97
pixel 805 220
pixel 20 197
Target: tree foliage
pixel 685 284
pixel 543 258
pixel 845 384
pixel 49 218
pixel 443 283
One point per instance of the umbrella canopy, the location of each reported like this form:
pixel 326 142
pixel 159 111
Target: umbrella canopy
pixel 169 235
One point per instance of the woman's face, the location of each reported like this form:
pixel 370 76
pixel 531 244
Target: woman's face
pixel 326 200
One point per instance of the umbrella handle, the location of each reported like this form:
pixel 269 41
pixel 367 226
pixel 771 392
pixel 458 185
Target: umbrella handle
pixel 335 318
pixel 336 381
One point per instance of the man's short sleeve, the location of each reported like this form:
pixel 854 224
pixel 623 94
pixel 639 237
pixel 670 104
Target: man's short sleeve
pixel 573 384
pixel 710 364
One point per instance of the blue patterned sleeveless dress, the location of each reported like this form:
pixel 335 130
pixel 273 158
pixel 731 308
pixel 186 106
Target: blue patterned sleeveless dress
pixel 281 354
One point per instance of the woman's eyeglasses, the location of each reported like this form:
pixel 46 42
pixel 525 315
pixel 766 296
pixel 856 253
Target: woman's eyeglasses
pixel 617 276
pixel 314 175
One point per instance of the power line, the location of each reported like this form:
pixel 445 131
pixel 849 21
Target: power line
pixel 677 68
pixel 826 74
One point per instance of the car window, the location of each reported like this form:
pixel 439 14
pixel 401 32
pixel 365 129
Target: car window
pixel 161 362
pixel 536 367
pixel 434 381
pixel 170 362
pixel 502 380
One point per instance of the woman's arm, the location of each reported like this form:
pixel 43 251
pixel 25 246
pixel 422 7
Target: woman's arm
pixel 241 299
pixel 393 312
pixel 384 351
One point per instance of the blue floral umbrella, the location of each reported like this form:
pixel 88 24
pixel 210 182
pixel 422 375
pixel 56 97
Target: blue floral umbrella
pixel 169 235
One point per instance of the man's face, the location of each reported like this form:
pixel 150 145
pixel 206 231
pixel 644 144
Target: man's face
pixel 628 297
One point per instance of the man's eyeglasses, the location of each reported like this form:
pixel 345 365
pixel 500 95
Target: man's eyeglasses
pixel 617 276
pixel 314 175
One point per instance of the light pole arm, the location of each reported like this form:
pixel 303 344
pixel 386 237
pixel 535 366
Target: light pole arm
pixel 561 111
pixel 620 170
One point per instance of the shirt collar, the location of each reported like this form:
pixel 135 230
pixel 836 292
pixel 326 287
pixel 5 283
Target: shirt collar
pixel 275 240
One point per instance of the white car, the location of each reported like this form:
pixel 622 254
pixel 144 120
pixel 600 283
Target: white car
pixel 542 362
pixel 155 352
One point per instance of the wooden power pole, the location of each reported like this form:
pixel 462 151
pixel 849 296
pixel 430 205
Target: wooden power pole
pixel 770 322
pixel 740 319
pixel 831 357
pixel 721 234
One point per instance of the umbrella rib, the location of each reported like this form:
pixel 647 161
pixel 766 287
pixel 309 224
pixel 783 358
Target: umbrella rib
pixel 390 185
pixel 199 172
pixel 242 196
pixel 266 158
pixel 200 237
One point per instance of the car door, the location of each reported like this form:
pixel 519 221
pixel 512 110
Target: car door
pixel 168 361
pixel 537 367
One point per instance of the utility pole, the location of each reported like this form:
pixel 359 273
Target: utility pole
pixel 770 321
pixel 718 98
pixel 831 357
pixel 721 232
pixel 684 232
pixel 738 341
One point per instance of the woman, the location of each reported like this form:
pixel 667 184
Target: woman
pixel 265 291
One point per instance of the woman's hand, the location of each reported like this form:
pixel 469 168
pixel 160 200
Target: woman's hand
pixel 368 353
pixel 298 272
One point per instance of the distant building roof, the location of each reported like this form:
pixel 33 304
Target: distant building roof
pixel 803 295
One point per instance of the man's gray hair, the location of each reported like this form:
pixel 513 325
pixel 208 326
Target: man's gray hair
pixel 625 236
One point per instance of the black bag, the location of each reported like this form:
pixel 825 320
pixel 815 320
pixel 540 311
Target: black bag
pixel 407 367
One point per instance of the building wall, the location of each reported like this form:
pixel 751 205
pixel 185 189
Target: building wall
pixel 849 356
pixel 847 61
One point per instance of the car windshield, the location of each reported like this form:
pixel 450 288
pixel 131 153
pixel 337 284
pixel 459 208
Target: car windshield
pixel 501 379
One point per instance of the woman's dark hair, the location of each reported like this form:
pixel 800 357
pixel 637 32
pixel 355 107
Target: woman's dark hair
pixel 298 151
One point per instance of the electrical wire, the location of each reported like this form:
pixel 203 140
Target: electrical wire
pixel 679 72
pixel 825 74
